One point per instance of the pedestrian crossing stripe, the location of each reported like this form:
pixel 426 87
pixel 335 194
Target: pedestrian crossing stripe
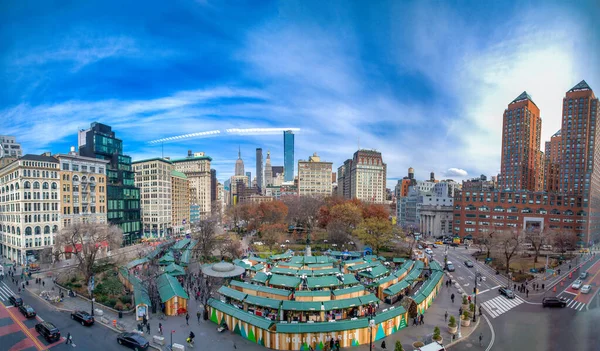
pixel 5 291
pixel 576 305
pixel 499 305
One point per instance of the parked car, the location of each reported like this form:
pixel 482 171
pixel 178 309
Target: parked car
pixel 439 242
pixel 586 289
pixel 583 275
pixel 27 311
pixel 48 331
pixel 15 300
pixel 553 302
pixel 450 267
pixel 434 245
pixel 577 284
pixel 469 263
pixel 83 317
pixel 507 292
pixel 133 341
pixel 429 251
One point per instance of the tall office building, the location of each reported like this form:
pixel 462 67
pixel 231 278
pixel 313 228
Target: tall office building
pixel 123 196
pixel 196 167
pixel 239 164
pixel 83 189
pixel 314 177
pixel 213 185
pixel 288 155
pixel 259 169
pixel 368 176
pixel 181 206
pixel 268 170
pixel 580 154
pixel 344 180
pixel 9 147
pixel 29 208
pixel 552 163
pixel 249 175
pixel 521 166
pixel 153 177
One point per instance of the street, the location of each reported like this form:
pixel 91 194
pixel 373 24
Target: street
pixel 522 323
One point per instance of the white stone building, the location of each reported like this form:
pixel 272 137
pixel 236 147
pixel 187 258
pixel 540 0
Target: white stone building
pixel 197 168
pixel 153 178
pixel 368 177
pixel 314 177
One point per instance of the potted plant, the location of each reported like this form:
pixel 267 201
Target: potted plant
pixel 465 303
pixel 452 326
pixel 417 344
pixel 471 309
pixel 437 336
pixel 398 346
pixel 465 319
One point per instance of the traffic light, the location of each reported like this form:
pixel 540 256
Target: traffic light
pixel 475 291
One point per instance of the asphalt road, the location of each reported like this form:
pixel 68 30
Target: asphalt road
pixel 94 338
pixel 523 324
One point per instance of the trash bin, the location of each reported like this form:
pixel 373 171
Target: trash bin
pixel 120 314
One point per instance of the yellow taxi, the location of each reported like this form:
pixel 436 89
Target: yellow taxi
pixel 439 243
pixel 584 250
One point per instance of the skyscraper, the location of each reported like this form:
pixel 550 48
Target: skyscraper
pixel 239 164
pixel 123 196
pixel 268 170
pixel 368 176
pixel 196 167
pixel 213 185
pixel 259 169
pixel 580 154
pixel 521 167
pixel 552 163
pixel 288 155
pixel 249 175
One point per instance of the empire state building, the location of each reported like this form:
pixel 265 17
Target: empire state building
pixel 239 165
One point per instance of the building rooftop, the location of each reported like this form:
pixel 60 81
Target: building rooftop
pixel 151 159
pixel 523 96
pixel 42 158
pixel 192 158
pixel 580 86
pixel 175 173
pixel 556 134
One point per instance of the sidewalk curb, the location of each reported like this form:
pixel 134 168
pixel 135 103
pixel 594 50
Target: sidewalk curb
pixel 464 336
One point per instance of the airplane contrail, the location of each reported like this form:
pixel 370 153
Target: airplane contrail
pixel 214 133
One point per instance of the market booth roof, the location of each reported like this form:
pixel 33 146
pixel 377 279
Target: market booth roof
pixel 327 281
pixel 244 316
pixel 260 277
pixel 174 269
pixel 284 280
pixel 232 293
pixel 169 287
pixel 301 306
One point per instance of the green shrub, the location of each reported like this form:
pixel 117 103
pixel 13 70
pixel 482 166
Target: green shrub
pixel 99 289
pixel 452 323
pixel 465 300
pixel 112 286
pixel 398 346
pixel 472 307
pixel 76 285
pixel 125 299
pixel 111 301
pixel 73 279
pixel 436 333
pixel 466 315
pixel 101 299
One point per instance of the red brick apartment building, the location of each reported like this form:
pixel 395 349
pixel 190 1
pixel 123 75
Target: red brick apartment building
pixel 478 212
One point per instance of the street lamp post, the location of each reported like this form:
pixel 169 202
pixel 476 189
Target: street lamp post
pixel 371 326
pixel 477 275
pixel 91 287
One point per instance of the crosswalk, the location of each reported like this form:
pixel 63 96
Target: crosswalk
pixel 5 292
pixel 499 305
pixel 576 305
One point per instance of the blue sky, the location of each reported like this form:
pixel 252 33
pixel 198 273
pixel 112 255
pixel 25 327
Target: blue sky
pixel 423 82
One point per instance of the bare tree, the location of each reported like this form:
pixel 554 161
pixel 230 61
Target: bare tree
pixel 337 232
pixel 537 239
pixel 205 231
pixel 508 242
pixel 231 246
pixel 85 241
pixel 562 239
pixel 487 241
pixel 303 211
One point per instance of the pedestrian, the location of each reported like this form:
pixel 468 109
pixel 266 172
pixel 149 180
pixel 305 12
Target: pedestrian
pixel 148 328
pixel 187 318
pixel 160 328
pixel 422 318
pixel 198 314
pixel 337 345
pixel 144 319
pixel 415 321
pixel 569 267
pixel 69 341
pixel 515 287
pixel 527 293
pixel 543 286
pixel 383 345
pixel 460 311
pixel 43 283
pixel 452 298
pixel 480 339
pixel 331 343
pixel 469 298
pixel 446 316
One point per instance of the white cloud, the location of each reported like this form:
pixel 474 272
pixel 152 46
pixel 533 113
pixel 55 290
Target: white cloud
pixel 456 172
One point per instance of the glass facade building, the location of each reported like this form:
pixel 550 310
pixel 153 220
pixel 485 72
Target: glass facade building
pixel 123 196
pixel 288 155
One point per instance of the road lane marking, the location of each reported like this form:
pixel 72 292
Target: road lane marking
pixel 26 331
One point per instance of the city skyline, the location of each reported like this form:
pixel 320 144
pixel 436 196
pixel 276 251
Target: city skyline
pixel 400 87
